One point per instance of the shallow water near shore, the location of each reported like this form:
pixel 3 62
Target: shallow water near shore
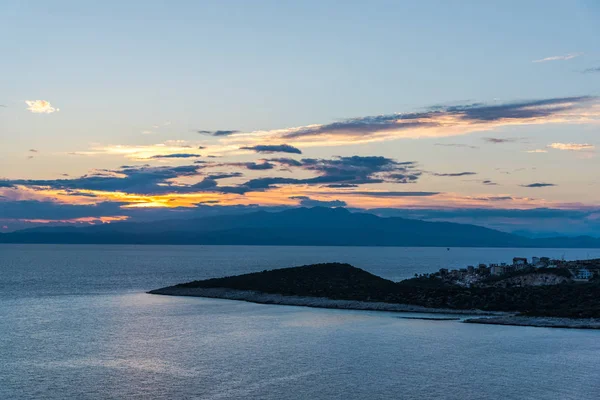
pixel 76 323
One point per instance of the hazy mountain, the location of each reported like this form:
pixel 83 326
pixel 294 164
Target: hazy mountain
pixel 301 226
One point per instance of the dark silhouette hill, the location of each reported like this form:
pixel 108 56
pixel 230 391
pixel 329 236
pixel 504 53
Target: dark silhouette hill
pixel 333 280
pixel 301 226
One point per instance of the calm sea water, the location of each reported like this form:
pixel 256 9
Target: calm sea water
pixel 75 323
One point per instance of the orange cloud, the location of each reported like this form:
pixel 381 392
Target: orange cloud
pixel 439 123
pixel 572 146
pixel 288 195
pixel 40 107
pixel 81 220
pixel 434 124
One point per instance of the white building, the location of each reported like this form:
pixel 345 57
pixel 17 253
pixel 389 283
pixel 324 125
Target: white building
pixel 584 274
pixel 519 261
pixel 495 269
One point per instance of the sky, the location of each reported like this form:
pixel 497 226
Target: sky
pixel 474 112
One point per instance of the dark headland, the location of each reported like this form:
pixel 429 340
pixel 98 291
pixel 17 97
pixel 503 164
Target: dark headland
pixel 568 304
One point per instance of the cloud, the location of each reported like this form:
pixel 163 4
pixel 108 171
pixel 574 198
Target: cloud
pixel 210 183
pixel 155 180
pixel 495 198
pixel 219 133
pixel 404 178
pixel 457 145
pixel 389 193
pixel 257 166
pixel 40 107
pixel 572 146
pixel 362 169
pixel 537 151
pixel 591 70
pixel 176 155
pixel 278 148
pixel 341 185
pixel 141 179
pixel 569 56
pixel 499 140
pixel 538 185
pixel 33 151
pixel 455 174
pixel 489 183
pixel 440 121
pixel 306 201
pixel 352 170
pixel 436 122
pixel 143 152
pixel 289 162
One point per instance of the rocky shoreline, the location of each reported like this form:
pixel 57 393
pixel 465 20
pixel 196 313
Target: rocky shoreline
pixel 342 286
pixel 305 301
pixel 483 317
pixel 539 322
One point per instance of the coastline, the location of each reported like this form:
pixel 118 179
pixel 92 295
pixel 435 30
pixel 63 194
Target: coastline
pixel 315 302
pixel 538 322
pixel 480 316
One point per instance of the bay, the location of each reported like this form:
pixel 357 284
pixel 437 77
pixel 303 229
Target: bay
pixel 75 322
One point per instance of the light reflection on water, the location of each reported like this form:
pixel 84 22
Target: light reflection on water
pixel 56 342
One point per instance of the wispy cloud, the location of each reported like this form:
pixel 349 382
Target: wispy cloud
pixel 438 122
pixel 40 107
pixel 454 174
pixel 306 201
pixel 276 148
pixel 218 133
pixel 155 151
pixel 489 182
pixel 262 166
pixel 591 70
pixel 462 145
pixel 538 185
pixel 176 155
pixel 572 146
pixel 499 140
pixel 536 151
pixel 375 193
pixel 565 57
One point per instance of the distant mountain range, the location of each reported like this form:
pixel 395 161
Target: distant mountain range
pixel 295 227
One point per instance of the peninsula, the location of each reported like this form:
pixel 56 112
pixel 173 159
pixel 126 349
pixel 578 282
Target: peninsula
pixel 560 302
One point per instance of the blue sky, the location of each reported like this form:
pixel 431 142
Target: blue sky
pixel 130 82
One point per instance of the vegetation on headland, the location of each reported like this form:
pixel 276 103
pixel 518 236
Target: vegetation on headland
pixel 345 282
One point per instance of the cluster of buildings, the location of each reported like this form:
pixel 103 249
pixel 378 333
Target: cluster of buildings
pixel 581 270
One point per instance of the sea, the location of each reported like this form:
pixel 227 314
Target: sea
pixel 76 323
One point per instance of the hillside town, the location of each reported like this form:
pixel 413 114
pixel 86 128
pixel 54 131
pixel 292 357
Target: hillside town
pixel 544 271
